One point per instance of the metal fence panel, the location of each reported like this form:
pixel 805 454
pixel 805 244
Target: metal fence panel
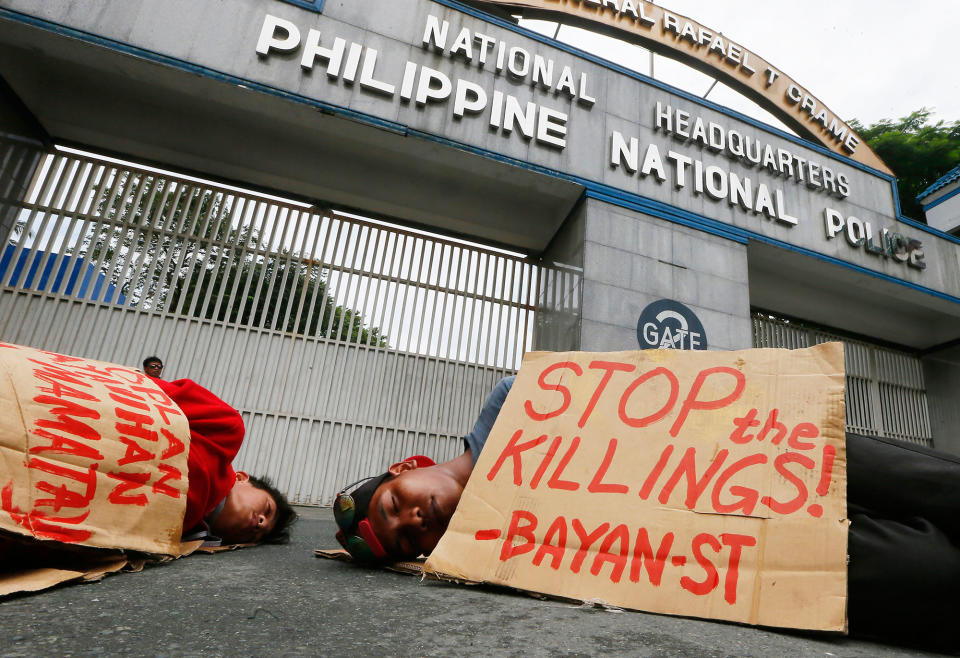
pixel 345 342
pixel 886 395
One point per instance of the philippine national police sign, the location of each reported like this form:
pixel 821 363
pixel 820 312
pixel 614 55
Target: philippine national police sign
pixel 668 324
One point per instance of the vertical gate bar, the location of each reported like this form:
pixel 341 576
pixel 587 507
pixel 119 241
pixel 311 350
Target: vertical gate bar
pixel 30 261
pixel 253 212
pixel 351 348
pixel 67 173
pixel 438 394
pixel 161 264
pixel 238 255
pixel 227 243
pixel 384 356
pixel 376 359
pixel 344 230
pixel 198 254
pixel 292 269
pixel 271 218
pixel 410 361
pixel 145 230
pixel 351 365
pixel 260 249
pixel 466 332
pixel 332 237
pixel 95 183
pixel 391 413
pixel 282 215
pixel 533 284
pixel 305 264
pixel 149 264
pixel 120 228
pixel 105 226
pixel 38 190
pixel 317 245
pixel 179 283
pixel 209 241
pixel 423 409
pixel 480 289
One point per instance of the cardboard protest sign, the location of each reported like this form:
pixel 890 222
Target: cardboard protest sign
pixel 91 453
pixel 707 484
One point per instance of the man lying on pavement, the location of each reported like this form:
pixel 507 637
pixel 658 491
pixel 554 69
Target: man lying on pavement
pixel 67 432
pixel 904 539
pixel 223 504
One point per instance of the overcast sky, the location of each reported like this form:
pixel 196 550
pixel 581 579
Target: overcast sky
pixel 865 59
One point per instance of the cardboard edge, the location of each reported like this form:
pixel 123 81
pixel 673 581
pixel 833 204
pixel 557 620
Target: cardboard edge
pixel 95 567
pixel 416 568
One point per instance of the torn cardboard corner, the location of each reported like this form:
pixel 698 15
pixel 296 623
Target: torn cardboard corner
pixel 28 565
pixel 415 568
pixel 703 484
pixel 411 567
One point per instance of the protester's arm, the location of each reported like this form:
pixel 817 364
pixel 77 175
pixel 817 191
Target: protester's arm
pixel 216 434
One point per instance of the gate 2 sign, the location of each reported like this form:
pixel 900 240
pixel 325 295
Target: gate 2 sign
pixel 668 324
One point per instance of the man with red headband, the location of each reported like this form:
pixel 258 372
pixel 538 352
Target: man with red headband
pixel 403 513
pixel 903 503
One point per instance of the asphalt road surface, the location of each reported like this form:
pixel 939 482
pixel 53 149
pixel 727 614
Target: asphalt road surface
pixel 281 600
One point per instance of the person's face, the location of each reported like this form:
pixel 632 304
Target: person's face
pixel 154 369
pixel 410 512
pixel 248 514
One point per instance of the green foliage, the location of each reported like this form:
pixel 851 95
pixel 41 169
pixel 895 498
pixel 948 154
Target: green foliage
pixel 273 292
pixel 918 152
pixel 187 252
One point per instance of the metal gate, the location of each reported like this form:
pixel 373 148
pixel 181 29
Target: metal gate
pixel 346 343
pixel 885 395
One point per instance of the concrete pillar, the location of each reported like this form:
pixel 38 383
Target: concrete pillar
pixel 23 143
pixel 629 260
pixel 941 373
pixel 559 310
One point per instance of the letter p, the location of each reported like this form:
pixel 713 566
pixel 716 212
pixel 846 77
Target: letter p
pixel 268 36
pixel 834 222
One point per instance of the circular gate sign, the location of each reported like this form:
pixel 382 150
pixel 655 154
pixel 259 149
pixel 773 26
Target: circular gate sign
pixel 668 324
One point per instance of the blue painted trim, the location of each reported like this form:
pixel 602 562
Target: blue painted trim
pixel 190 67
pixel 928 229
pixel 673 215
pixel 602 191
pixel 617 197
pixel 857 268
pixel 937 202
pixel 312 5
pixel 744 236
pixel 597 190
pixel 489 18
pixel 896 197
pixel 943 181
pixel 918 225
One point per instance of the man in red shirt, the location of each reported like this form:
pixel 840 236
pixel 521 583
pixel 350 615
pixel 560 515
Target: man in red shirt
pixel 228 504
pixel 222 505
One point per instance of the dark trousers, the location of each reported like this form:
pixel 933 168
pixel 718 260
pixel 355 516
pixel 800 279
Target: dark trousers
pixel 904 575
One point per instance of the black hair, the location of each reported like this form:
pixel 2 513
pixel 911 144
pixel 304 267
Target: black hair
pixel 285 517
pixel 151 359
